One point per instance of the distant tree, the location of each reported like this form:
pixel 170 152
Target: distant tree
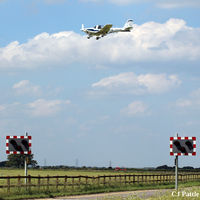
pixel 17 160
pixel 165 167
pixel 188 167
pixel 3 164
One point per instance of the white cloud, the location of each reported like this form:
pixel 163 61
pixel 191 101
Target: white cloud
pixel 171 41
pixel 134 108
pixel 136 84
pixel 178 3
pixel 160 3
pixel 193 100
pixel 25 87
pixel 42 107
pixel 37 108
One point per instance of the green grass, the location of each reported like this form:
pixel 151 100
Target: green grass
pixel 35 192
pixel 51 172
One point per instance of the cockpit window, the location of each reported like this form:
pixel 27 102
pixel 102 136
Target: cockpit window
pixel 98 27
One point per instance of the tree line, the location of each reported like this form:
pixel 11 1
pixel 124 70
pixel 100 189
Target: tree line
pixel 18 161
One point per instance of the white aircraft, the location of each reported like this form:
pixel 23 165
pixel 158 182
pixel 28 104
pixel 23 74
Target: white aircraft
pixel 100 31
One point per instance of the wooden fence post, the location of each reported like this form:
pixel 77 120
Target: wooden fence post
pixel 110 180
pixel 38 182
pixel 142 181
pixel 72 183
pixel 133 179
pixel 19 182
pixel 65 183
pixel 79 181
pixel 8 183
pixel 57 182
pixel 29 182
pixel 86 180
pixel 48 182
pixel 146 180
pixel 93 180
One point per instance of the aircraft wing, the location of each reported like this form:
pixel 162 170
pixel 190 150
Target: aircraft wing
pixel 104 30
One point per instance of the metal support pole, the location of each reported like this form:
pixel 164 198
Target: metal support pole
pixel 25 171
pixel 25 166
pixel 176 171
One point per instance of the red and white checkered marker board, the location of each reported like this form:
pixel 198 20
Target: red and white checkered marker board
pixel 182 154
pixel 29 138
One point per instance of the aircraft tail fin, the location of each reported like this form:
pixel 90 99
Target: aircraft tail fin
pixel 128 25
pixel 82 27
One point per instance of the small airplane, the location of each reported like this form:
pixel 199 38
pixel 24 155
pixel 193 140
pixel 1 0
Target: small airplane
pixel 100 31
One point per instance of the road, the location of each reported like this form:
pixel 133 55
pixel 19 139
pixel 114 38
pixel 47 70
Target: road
pixel 144 194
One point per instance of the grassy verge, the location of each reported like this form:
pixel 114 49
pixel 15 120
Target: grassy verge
pixel 53 191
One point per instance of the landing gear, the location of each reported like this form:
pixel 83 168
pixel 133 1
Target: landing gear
pixel 88 37
pixel 97 38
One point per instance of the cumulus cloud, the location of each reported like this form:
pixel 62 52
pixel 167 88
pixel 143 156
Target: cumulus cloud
pixel 25 87
pixel 193 100
pixel 178 3
pixel 37 108
pixel 171 41
pixel 163 4
pixel 42 107
pixel 134 108
pixel 136 84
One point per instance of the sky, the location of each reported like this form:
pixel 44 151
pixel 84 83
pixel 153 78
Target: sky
pixel 114 101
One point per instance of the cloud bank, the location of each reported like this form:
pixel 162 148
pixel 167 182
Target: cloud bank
pixel 130 83
pixel 171 41
pixel 163 4
pixel 42 107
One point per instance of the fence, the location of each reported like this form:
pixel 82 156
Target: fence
pixel 75 182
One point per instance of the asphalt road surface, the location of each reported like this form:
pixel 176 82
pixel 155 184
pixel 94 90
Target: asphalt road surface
pixel 144 194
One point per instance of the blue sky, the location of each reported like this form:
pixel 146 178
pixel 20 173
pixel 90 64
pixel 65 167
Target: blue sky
pixel 117 99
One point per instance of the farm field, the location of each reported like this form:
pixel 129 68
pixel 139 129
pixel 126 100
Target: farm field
pixel 87 172
pixel 62 172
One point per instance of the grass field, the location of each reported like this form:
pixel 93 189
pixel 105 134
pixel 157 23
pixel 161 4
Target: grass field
pixel 20 193
pixel 62 172
pixel 69 172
